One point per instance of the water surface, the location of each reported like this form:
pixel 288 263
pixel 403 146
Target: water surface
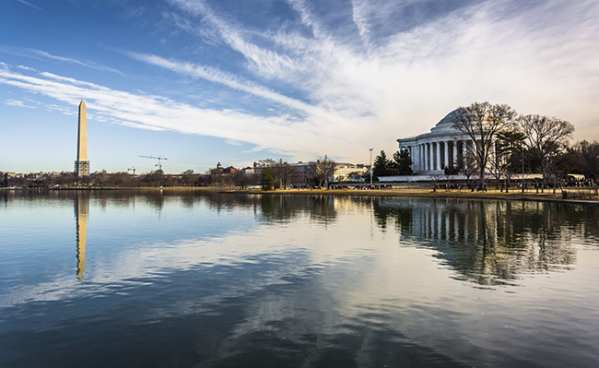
pixel 150 280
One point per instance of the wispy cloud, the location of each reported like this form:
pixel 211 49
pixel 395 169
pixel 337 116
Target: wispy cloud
pixel 41 54
pixel 225 79
pixel 65 110
pixel 267 62
pixel 50 56
pixel 29 4
pixel 27 68
pixel 359 17
pixel 18 103
pixel 86 64
pixel 307 18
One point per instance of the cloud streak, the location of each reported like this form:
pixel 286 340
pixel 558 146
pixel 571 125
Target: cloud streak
pixel 222 78
pixel 41 54
pixel 266 61
pixel 29 4
pixel 359 16
pixel 86 64
pixel 17 103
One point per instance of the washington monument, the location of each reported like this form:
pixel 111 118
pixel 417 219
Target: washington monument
pixel 82 163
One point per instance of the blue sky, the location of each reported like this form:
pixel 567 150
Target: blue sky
pixel 202 81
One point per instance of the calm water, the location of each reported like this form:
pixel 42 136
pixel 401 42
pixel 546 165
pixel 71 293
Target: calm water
pixel 133 280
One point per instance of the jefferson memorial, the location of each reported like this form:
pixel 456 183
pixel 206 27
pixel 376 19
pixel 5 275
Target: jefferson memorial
pixel 444 146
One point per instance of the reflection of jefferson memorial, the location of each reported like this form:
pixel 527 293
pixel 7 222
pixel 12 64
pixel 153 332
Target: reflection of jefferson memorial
pixel 489 242
pixel 444 146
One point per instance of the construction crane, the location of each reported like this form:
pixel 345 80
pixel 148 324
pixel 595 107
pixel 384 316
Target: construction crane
pixel 158 158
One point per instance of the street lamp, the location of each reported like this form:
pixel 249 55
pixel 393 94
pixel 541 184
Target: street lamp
pixel 370 149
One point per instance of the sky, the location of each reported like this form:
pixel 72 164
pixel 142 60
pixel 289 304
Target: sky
pixel 207 81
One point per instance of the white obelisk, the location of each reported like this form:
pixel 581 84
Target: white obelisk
pixel 82 163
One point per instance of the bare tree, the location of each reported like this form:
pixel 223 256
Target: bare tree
pixel 498 164
pixel 481 122
pixel 507 143
pixel 545 138
pixel 470 167
pixel 322 170
pixel 242 180
pixel 283 174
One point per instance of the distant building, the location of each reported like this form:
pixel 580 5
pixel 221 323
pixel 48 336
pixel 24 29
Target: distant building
pixel 302 173
pixel 82 163
pixel 344 171
pixel 444 146
pixel 230 170
pixel 248 170
pixel 296 174
pixel 220 170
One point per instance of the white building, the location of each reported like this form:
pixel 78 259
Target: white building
pixel 444 146
pixel 344 171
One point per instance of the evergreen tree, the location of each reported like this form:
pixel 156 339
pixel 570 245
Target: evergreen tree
pixel 268 179
pixel 381 165
pixel 402 162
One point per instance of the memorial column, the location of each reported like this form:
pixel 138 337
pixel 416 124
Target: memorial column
pixel 438 156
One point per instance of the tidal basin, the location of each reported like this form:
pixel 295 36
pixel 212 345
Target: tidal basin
pixel 117 279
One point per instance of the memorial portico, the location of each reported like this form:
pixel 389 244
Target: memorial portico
pixel 444 146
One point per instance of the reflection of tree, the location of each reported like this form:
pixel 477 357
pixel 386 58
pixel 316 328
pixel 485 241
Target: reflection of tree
pixel 491 241
pixel 226 201
pixel 401 217
pixel 187 201
pixel 320 208
pixel 276 207
pixel 155 200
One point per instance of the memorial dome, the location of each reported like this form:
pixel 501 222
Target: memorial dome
pixel 446 124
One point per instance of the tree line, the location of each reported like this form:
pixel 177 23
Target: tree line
pixel 400 164
pixel 269 175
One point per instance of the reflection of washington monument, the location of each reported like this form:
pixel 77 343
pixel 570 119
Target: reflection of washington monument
pixel 81 214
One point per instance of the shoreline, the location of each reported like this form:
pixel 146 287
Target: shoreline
pixel 548 196
pixel 515 195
